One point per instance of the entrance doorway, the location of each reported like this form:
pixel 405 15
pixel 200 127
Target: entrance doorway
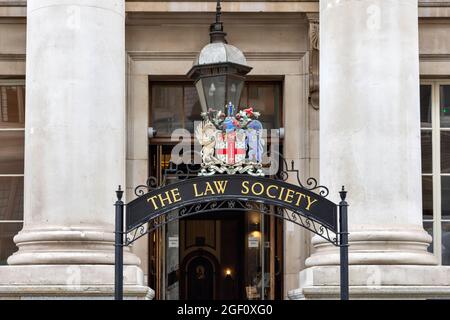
pixel 211 256
pixel 200 274
pixel 225 255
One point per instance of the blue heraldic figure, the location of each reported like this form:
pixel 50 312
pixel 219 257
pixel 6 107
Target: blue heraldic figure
pixel 254 141
pixel 229 125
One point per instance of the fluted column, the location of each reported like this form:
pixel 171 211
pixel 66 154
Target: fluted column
pixel 370 129
pixel 75 131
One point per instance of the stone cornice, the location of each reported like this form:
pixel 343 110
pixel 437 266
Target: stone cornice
pixel 198 18
pixel 427 9
pixel 227 6
pixel 12 57
pixel 422 3
pixel 434 3
pixel 169 56
pixel 435 57
pixel 190 56
pixel 13 3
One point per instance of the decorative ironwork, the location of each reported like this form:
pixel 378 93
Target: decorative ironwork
pixel 152 184
pixel 315 223
pixel 181 172
pixel 296 217
pixel 185 171
pixel 135 234
pixel 311 183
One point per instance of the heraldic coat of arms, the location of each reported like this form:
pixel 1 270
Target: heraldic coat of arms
pixel 232 142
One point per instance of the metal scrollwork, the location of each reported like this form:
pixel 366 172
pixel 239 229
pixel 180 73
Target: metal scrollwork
pixel 135 234
pixel 298 218
pixel 152 184
pixel 183 171
pixel 311 183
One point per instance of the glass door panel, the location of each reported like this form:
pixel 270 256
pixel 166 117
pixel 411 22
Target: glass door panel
pixel 253 257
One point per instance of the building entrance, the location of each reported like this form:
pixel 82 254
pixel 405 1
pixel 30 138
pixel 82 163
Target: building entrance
pixel 225 255
pixel 262 231
pixel 211 257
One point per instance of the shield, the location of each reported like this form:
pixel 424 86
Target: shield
pixel 230 147
pixel 240 146
pixel 221 146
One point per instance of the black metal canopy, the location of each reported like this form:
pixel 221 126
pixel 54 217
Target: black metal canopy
pixel 303 204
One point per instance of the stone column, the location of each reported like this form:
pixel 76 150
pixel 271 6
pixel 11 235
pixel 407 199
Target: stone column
pixel 370 141
pixel 75 140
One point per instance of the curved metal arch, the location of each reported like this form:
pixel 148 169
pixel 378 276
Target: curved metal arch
pixel 185 171
pixel 138 212
pixel 337 236
pixel 194 208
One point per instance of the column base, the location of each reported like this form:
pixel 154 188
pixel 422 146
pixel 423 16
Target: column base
pixel 383 246
pixel 78 245
pixel 375 282
pixel 70 282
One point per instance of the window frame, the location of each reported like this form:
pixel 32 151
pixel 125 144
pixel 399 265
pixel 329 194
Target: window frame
pixel 14 82
pixel 436 172
pixel 168 83
pixel 180 81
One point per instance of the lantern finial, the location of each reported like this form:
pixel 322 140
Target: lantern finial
pixel 218 11
pixel 216 32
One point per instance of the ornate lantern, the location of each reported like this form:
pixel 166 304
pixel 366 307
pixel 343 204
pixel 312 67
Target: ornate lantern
pixel 219 71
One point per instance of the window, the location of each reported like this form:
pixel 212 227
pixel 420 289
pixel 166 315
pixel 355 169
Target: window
pixel 12 136
pixel 264 97
pixel 176 105
pixel 435 136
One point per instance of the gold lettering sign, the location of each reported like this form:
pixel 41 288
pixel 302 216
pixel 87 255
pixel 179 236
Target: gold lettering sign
pixel 268 191
pixel 217 187
pixel 289 198
pixel 276 192
pixel 221 186
pixel 165 198
pixel 247 188
pixel 226 188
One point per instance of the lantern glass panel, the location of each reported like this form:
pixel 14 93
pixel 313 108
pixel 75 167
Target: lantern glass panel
pixel 214 91
pixel 201 96
pixel 234 90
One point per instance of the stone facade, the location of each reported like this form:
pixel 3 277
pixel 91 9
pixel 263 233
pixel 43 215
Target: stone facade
pixel 87 69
